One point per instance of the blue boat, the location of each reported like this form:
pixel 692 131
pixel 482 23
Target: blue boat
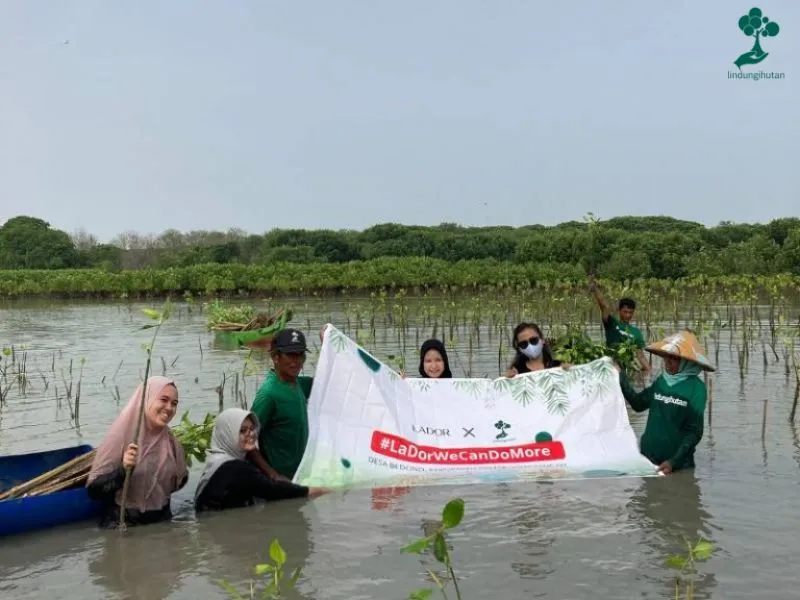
pixel 21 515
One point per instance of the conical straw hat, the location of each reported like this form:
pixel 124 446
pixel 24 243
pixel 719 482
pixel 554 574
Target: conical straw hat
pixel 684 345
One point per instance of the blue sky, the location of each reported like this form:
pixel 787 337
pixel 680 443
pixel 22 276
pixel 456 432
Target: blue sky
pixel 258 114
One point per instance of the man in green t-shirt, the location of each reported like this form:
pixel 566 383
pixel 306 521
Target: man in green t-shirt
pixel 620 330
pixel 281 408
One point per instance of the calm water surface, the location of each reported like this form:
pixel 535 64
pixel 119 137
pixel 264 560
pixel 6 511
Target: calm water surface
pixel 566 540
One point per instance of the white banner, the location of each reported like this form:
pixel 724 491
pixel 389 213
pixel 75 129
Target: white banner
pixel 368 427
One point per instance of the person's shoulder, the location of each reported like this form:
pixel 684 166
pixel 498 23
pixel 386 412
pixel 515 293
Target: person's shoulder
pixel 271 381
pixel 265 393
pixel 238 466
pixel 697 387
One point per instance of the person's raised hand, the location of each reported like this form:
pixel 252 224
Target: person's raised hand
pixel 512 372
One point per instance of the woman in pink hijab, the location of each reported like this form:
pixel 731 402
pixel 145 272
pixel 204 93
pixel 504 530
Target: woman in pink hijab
pixel 159 467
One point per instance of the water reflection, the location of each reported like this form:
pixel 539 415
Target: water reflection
pixel 145 563
pixel 671 509
pixel 533 524
pixel 229 544
pixel 388 499
pixel 29 558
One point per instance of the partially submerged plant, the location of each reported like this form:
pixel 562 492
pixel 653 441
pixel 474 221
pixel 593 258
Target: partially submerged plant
pixel 452 514
pixel 275 582
pixel 686 565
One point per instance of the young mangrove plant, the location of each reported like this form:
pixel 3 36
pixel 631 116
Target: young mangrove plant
pixel 577 348
pixel 686 565
pixel 452 514
pixel 194 437
pixel 275 581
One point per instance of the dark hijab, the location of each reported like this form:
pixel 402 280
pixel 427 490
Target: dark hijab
pixel 520 360
pixel 433 344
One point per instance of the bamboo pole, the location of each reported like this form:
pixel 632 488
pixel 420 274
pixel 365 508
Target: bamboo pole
pixel 47 477
pixel 764 419
pixel 57 487
pixel 127 482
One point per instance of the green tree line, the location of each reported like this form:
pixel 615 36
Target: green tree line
pixel 619 248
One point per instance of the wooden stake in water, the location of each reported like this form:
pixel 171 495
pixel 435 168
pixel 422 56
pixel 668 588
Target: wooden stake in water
pixel 710 395
pixel 764 419
pixel 794 403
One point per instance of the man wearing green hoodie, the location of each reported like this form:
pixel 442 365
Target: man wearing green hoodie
pixel 676 401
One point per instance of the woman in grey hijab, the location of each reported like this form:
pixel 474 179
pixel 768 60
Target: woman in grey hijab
pixel 229 480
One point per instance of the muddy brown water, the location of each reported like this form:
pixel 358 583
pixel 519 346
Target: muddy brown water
pixel 565 540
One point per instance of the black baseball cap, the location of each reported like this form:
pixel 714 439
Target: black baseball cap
pixel 289 341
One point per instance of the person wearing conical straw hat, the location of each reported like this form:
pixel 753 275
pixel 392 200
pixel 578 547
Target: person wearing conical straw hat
pixel 676 401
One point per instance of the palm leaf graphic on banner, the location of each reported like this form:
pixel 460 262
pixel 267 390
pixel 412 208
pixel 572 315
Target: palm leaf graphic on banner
pixel 339 341
pixel 598 381
pixel 554 391
pixel 473 387
pixel 504 384
pixel 420 384
pixel 523 390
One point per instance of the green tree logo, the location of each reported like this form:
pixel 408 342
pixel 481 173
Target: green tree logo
pixel 502 426
pixel 755 24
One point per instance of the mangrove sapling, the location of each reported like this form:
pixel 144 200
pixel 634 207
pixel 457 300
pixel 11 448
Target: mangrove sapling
pixel 686 565
pixel 159 318
pixel 275 581
pixel 452 514
pixel 195 438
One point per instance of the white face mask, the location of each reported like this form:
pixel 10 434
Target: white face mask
pixel 533 352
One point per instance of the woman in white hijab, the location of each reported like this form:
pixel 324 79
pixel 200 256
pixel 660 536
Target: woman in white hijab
pixel 229 480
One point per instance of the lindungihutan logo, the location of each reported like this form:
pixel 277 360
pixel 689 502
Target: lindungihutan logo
pixel 757 25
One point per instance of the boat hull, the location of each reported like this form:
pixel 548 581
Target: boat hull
pixel 257 338
pixel 21 515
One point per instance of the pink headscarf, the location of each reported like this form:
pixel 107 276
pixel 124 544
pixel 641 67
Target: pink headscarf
pixel 160 464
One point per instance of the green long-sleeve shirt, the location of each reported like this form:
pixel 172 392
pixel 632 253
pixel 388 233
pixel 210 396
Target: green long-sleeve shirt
pixel 675 421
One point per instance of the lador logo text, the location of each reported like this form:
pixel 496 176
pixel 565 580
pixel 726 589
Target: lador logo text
pixel 755 24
